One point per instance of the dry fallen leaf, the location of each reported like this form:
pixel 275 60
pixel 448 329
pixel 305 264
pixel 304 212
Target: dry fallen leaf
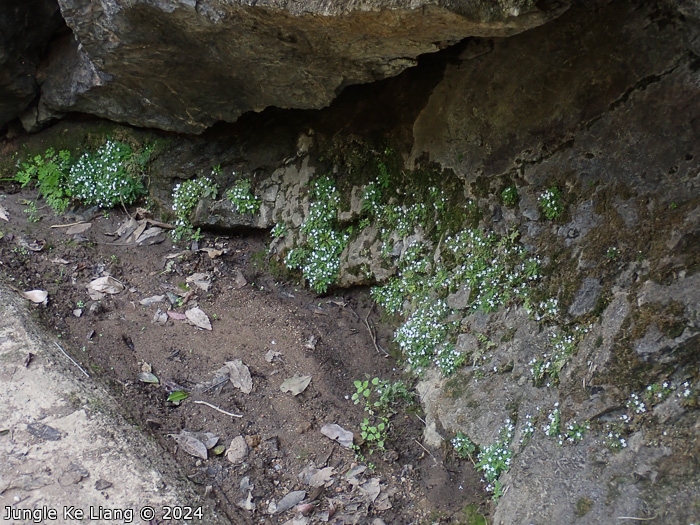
pixel 213 253
pixel 78 228
pixel 191 445
pixel 107 284
pixel 148 301
pixel 370 490
pixel 36 296
pixel 296 385
pixel 148 377
pixel 200 280
pixel 247 503
pixel 321 477
pixel 290 500
pixel 240 375
pixel 337 433
pixel 207 438
pixel 271 354
pixel 198 318
pixel 3 214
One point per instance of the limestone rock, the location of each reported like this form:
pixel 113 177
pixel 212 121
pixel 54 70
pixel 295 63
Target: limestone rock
pixel 184 65
pixel 25 30
pixel 587 297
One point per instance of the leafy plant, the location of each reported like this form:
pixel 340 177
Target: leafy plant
pixel 279 230
pixel 186 196
pixel 51 175
pixel 242 198
pixel 374 432
pixel 110 176
pixel 32 212
pixel 550 202
pixel 510 196
pixel 380 398
pixel 318 255
pixel 550 365
pixel 463 446
pixel 495 459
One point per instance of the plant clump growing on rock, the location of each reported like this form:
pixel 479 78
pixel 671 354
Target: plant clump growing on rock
pixel 495 459
pixel 550 202
pixel 110 176
pixel 317 255
pixel 186 196
pixel 242 197
pixel 50 173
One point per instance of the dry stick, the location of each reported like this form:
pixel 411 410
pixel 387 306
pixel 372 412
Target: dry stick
pixel 218 409
pixel 67 225
pixel 73 360
pixel 372 334
pixel 638 519
pixel 212 387
pixel 421 446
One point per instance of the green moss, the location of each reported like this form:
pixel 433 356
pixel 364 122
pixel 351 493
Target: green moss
pixel 472 516
pixel 583 507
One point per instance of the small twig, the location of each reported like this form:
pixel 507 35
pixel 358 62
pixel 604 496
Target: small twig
pixel 373 334
pixel 212 387
pixel 218 409
pixel 73 360
pixel 637 519
pixel 125 211
pixel 421 446
pixel 421 419
pixel 67 225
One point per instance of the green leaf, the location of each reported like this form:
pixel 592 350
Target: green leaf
pixel 178 395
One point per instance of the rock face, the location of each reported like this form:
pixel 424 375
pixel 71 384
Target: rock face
pixel 25 30
pixel 184 65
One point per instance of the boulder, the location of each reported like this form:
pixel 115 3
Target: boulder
pixel 184 65
pixel 25 30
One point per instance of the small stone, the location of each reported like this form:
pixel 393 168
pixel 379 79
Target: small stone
pixel 587 297
pixel 102 484
pixel 252 441
pixel 460 299
pixel 95 308
pixel 78 312
pixel 237 451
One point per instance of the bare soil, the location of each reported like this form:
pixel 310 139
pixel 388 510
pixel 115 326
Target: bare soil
pixel 113 338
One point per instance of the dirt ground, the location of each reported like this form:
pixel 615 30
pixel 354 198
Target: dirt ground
pixel 276 328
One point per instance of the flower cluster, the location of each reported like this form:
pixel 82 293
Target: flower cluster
pixel 551 363
pixel 102 178
pixel 448 359
pixel 550 203
pixel 495 268
pixel 635 404
pixel 496 458
pixel 242 198
pixel 575 432
pixel 464 447
pixel 527 430
pixel 318 256
pixel 186 196
pixel 553 426
pixel 656 392
pixel 422 332
pixel 613 439
pixel 510 196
